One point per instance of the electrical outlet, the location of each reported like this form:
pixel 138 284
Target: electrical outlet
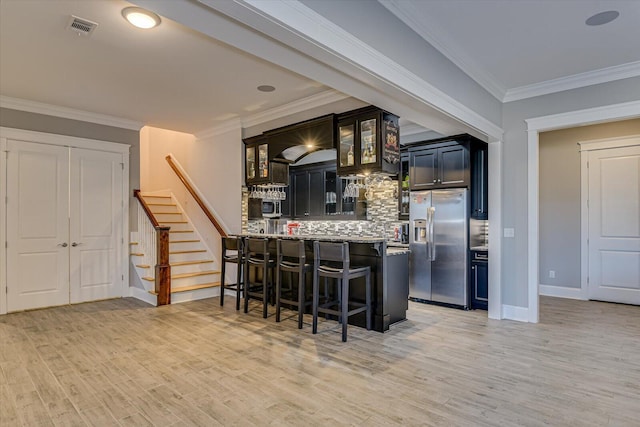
pixel 552 274
pixel 509 232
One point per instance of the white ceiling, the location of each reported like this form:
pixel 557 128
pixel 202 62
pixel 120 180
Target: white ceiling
pixel 174 77
pixel 510 45
pixel 170 77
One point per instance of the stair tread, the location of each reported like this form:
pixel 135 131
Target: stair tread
pixel 184 241
pixel 156 196
pixel 167 213
pixel 136 254
pixel 143 266
pixel 173 222
pixel 202 261
pixel 181 231
pixel 188 252
pixel 191 288
pixel 161 204
pixel 133 243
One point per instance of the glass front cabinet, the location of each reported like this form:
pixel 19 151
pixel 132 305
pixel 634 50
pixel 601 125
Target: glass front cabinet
pixel 258 167
pixel 368 141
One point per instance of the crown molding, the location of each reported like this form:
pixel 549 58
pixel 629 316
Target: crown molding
pixel 407 13
pixel 589 116
pixel 412 129
pixel 310 102
pixel 219 129
pixel 304 104
pixel 604 75
pixel 67 113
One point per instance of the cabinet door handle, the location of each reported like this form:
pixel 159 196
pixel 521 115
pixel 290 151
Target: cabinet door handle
pixel 64 245
pixel 435 180
pixel 74 244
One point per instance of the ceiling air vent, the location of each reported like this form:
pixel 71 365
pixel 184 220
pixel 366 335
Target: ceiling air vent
pixel 81 26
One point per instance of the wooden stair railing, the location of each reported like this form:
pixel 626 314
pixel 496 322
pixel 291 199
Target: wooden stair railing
pixel 162 267
pixel 195 195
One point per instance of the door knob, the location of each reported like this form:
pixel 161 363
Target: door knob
pixel 64 245
pixel 74 244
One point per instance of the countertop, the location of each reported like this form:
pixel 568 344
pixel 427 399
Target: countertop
pixel 393 248
pixel 323 237
pixel 479 248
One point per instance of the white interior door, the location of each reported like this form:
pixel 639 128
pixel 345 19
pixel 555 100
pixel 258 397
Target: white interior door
pixel 96 225
pixel 37 225
pixel 614 225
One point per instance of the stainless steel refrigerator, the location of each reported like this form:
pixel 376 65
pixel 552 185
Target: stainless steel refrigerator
pixel 438 224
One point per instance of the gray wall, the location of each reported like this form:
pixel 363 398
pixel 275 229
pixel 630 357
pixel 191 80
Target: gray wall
pixel 560 197
pixel 56 125
pixel 514 185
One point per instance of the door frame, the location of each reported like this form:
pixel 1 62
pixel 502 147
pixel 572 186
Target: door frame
pixel 70 142
pixel 535 125
pixel 585 148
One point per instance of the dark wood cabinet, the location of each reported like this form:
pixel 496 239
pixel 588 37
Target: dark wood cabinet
pixel 259 168
pixel 368 141
pixel 479 280
pixel 439 167
pixel 317 193
pixel 479 182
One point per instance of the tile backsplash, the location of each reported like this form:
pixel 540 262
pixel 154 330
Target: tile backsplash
pixel 382 217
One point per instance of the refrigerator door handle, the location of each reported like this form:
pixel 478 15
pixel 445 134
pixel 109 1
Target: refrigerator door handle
pixel 432 237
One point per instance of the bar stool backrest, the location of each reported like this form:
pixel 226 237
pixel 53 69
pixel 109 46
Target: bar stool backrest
pixel 231 247
pixel 257 247
pixel 291 250
pixel 332 252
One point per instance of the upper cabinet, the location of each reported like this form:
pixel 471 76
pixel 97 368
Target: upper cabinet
pixel 437 167
pixel 259 167
pixel 367 142
pixel 479 182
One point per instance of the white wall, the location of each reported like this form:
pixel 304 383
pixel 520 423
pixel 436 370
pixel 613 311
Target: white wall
pixel 514 200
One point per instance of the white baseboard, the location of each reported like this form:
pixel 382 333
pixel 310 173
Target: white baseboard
pixel 512 312
pixel 562 292
pixel 143 295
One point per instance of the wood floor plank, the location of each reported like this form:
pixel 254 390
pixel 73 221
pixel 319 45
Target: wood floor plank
pixel 122 362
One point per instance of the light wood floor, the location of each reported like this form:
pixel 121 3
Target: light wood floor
pixel 122 362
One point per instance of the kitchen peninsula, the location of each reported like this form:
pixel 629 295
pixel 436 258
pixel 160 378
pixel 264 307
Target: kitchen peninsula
pixel 390 280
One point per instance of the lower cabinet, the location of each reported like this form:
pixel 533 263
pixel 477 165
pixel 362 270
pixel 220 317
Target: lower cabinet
pixel 479 283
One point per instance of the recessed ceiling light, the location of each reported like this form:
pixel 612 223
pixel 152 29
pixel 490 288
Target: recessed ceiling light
pixel 140 17
pixel 266 88
pixel 602 18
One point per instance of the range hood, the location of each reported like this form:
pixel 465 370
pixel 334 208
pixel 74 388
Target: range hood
pixel 293 142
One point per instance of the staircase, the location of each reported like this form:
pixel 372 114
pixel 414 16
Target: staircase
pixel 193 269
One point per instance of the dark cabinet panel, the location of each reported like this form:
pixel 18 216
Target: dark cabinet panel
pixel 479 183
pixel 424 169
pixel 300 199
pixel 479 284
pixel 316 193
pixel 453 165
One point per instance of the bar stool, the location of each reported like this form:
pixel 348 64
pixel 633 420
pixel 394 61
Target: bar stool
pixel 291 258
pixel 331 261
pixel 256 255
pixel 232 252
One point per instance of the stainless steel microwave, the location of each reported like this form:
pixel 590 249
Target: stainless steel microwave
pixel 271 209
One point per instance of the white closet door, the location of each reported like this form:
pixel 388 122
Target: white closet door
pixel 37 225
pixel 96 225
pixel 614 225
